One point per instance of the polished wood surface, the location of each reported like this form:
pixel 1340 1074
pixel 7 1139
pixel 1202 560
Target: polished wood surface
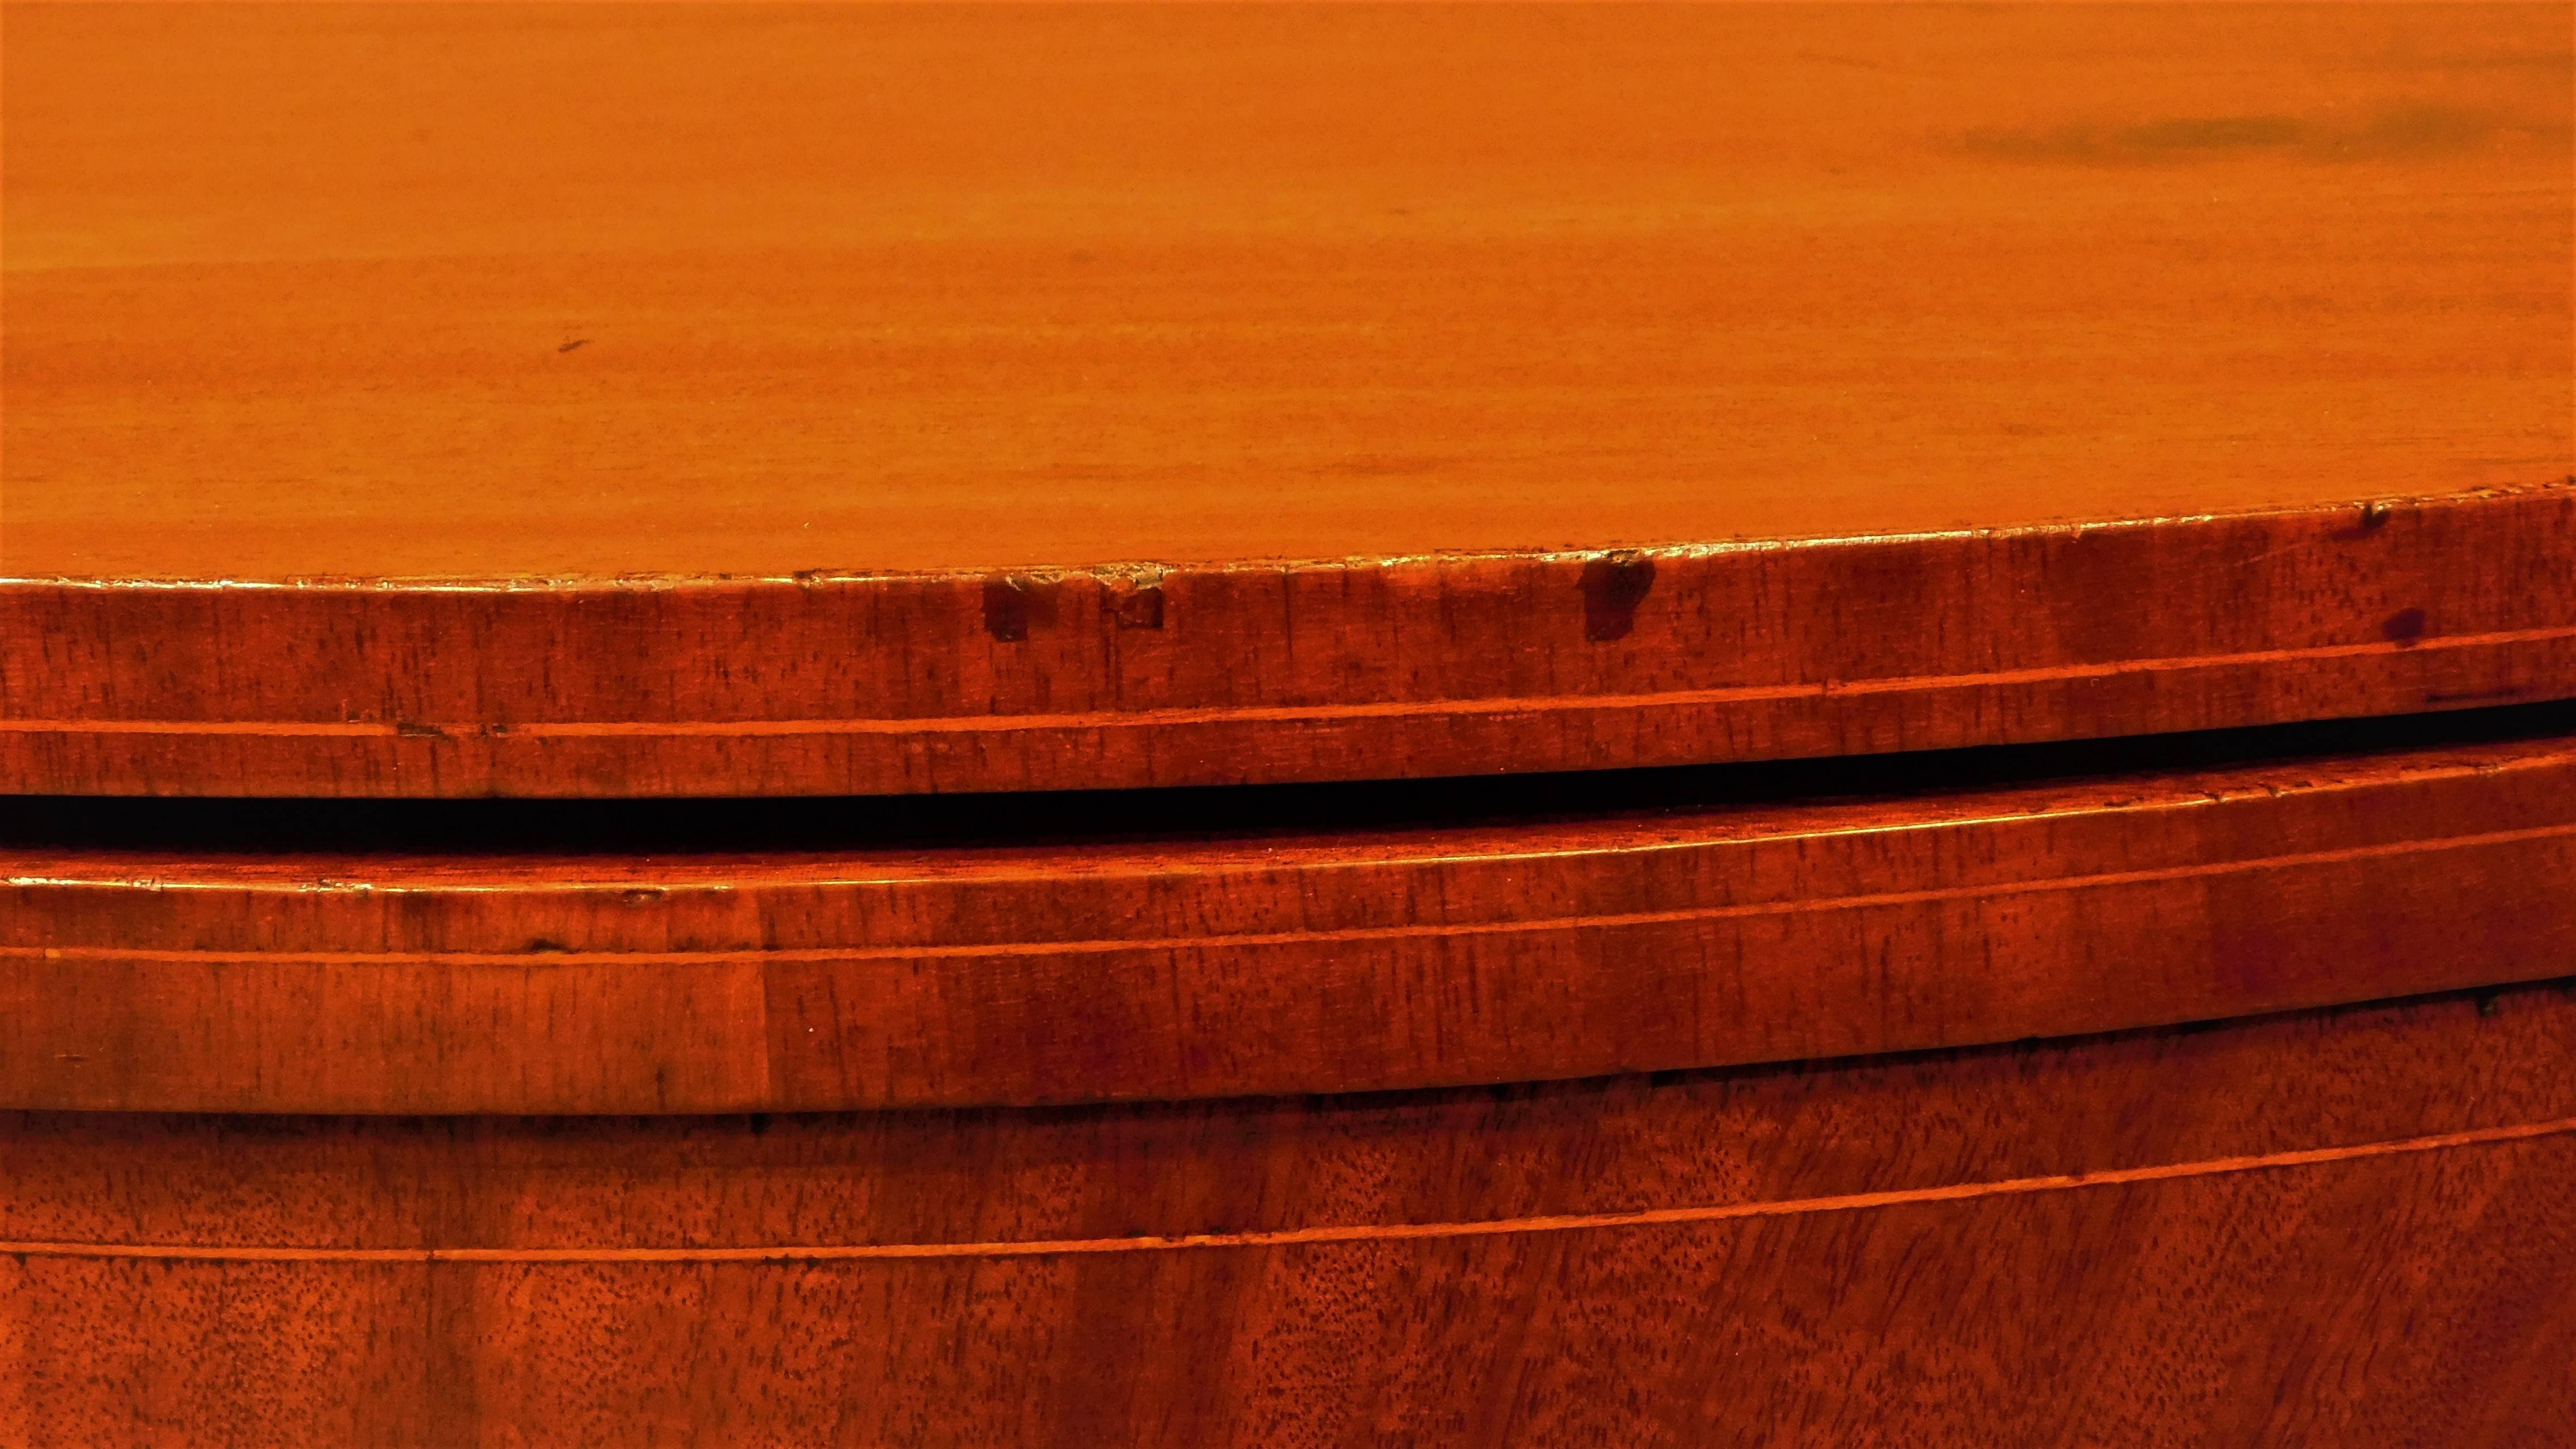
pixel 1617 925
pixel 757 402
pixel 884 399
pixel 495 292
pixel 2341 1228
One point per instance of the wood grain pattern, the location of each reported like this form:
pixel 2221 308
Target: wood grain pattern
pixel 1459 390
pixel 1427 667
pixel 891 290
pixel 1663 934
pixel 2331 1228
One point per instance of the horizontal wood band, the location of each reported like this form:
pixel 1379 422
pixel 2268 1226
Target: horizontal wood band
pixel 1317 961
pixel 869 685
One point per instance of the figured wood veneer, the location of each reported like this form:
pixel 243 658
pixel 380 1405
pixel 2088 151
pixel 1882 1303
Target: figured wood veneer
pixel 727 400
pixel 2334 1228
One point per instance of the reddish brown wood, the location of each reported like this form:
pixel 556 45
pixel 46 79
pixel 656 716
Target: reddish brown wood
pixel 2335 1228
pixel 652 401
pixel 1377 956
pixel 1635 386
pixel 1252 674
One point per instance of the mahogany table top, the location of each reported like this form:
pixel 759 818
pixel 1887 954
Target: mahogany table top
pixel 689 400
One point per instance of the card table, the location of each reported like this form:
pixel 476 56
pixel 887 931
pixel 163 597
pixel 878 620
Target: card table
pixel 1288 724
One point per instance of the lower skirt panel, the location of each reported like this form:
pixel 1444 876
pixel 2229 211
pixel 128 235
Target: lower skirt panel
pixel 2344 1227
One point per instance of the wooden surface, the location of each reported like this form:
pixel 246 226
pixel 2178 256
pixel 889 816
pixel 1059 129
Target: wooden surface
pixel 1646 923
pixel 878 400
pixel 1425 667
pixel 2344 1228
pixel 888 290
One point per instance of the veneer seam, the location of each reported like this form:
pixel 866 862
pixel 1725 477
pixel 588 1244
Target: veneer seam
pixel 1147 718
pixel 1296 1237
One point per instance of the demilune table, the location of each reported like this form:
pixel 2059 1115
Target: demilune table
pixel 1200 725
